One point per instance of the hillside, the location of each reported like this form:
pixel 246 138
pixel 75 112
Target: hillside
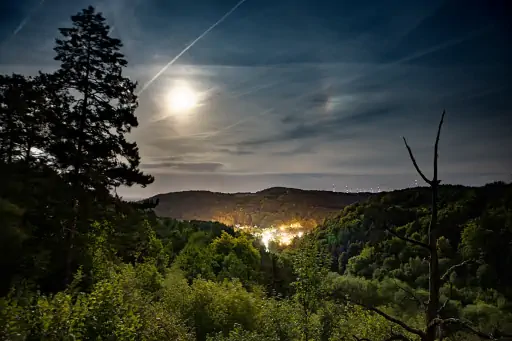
pixel 272 206
pixel 475 225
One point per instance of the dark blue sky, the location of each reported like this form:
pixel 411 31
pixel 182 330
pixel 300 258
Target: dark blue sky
pixel 302 93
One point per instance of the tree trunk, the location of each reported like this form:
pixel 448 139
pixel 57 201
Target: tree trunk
pixel 434 275
pixel 77 167
pixel 27 152
pixel 434 278
pixel 10 146
pixel 273 262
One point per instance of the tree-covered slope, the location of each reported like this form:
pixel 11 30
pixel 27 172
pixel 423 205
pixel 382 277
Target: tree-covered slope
pixel 475 227
pixel 273 206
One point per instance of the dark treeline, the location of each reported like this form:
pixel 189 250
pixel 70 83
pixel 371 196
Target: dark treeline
pixel 79 263
pixel 63 150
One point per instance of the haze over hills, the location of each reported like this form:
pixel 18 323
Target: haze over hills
pixel 270 207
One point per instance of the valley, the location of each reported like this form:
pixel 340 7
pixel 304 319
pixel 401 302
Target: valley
pixel 272 207
pixel 276 214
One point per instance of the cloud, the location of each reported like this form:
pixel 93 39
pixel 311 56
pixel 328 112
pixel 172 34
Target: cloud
pixel 300 149
pixel 167 158
pixel 235 151
pixel 183 166
pixel 343 124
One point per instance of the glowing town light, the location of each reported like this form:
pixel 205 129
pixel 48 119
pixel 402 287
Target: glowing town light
pixel 266 237
pixel 282 235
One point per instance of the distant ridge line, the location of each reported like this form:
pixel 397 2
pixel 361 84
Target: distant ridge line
pixel 271 206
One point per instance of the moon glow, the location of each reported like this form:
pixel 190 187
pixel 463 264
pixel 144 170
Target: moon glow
pixel 182 99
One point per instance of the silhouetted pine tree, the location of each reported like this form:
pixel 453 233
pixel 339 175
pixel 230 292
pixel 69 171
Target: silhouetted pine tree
pixel 91 149
pixel 89 144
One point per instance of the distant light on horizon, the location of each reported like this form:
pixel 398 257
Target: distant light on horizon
pixel 362 190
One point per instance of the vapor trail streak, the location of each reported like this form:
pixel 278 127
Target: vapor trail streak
pixel 381 67
pixel 422 53
pixel 23 22
pixel 255 89
pixel 20 26
pixel 159 73
pixel 237 123
pixel 419 54
pixel 267 68
pixel 262 113
pixel 444 45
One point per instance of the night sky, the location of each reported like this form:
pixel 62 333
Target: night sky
pixel 301 93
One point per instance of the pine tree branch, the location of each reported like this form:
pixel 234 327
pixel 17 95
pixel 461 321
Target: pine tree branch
pixel 408 240
pixel 413 159
pixel 390 318
pixel 453 268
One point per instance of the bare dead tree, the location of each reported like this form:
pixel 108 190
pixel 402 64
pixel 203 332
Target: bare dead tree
pixel 434 324
pixel 434 278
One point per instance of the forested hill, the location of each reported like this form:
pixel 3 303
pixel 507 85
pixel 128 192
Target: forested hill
pixel 474 229
pixel 272 206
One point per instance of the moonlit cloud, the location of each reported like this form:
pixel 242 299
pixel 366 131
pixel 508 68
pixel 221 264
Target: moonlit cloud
pixel 183 166
pixel 299 94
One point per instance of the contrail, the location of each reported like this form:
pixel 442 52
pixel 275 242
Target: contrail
pixel 382 67
pixel 23 22
pixel 262 113
pixel 422 53
pixel 255 89
pixel 237 123
pixel 444 45
pixel 159 73
pixel 27 18
pixel 267 69
pixel 20 26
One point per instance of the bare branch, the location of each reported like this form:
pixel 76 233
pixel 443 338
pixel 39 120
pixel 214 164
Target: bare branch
pixel 392 319
pixel 453 268
pixel 411 293
pixel 434 180
pixel 465 325
pixel 447 300
pixel 408 240
pixel 416 164
pixel 443 306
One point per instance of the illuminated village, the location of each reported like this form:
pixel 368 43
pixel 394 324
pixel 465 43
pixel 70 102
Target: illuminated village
pixel 282 235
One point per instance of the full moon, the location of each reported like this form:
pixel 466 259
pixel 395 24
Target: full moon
pixel 182 98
